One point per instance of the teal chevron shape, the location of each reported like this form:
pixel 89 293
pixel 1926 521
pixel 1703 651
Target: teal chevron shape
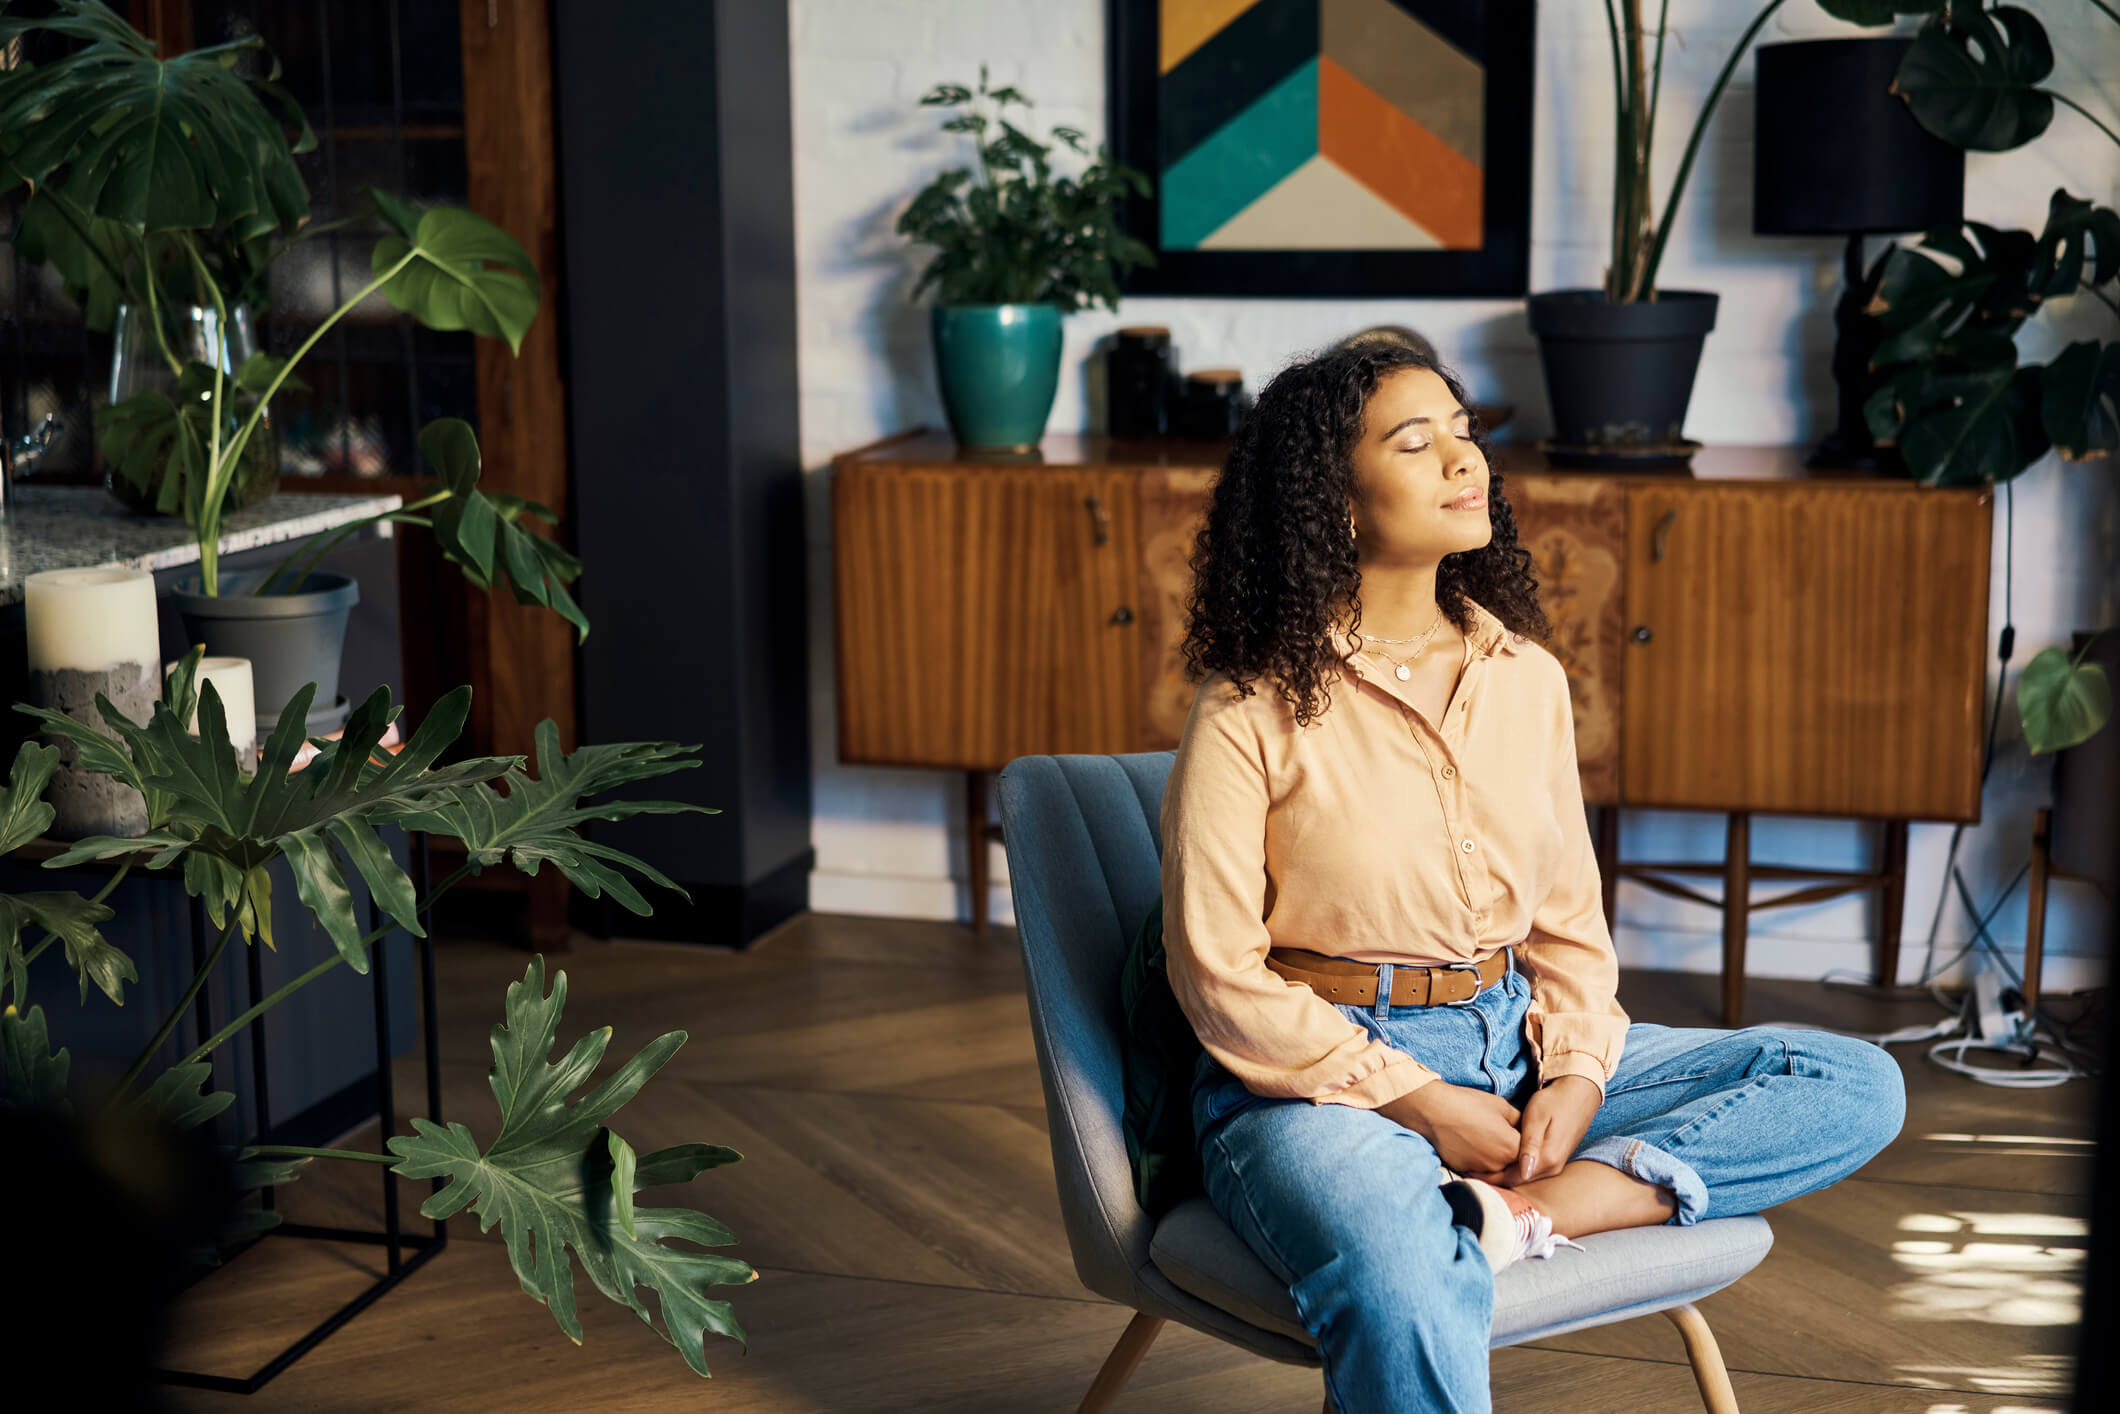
pixel 1242 162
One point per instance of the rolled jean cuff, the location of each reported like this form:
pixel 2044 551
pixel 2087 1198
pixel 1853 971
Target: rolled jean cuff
pixel 1650 1164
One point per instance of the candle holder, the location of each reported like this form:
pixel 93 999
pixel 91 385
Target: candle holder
pixel 93 631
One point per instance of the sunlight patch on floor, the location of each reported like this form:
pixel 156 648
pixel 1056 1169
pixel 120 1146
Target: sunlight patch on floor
pixel 1964 1274
pixel 2028 1375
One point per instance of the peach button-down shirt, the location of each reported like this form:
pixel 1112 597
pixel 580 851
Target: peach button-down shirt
pixel 1377 835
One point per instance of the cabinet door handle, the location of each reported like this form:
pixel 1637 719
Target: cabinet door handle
pixel 1123 615
pixel 1661 535
pixel 1100 518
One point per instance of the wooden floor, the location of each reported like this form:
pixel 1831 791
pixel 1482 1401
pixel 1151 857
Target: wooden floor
pixel 897 1196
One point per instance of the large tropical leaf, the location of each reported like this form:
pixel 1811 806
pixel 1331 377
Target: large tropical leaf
pixel 482 532
pixel 548 1179
pixel 1962 428
pixel 464 272
pixel 225 827
pixel 2062 700
pixel 2080 400
pixel 1972 77
pixel 72 919
pixel 155 144
pixel 535 821
pixel 2077 234
pixel 1981 284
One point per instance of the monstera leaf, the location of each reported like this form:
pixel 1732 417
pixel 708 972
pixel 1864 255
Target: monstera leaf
pixel 535 820
pixel 2077 234
pixel 68 917
pixel 225 827
pixel 481 531
pixel 464 272
pixel 2080 400
pixel 1972 78
pixel 552 1183
pixel 1962 428
pixel 2062 700
pixel 154 144
pixel 1981 285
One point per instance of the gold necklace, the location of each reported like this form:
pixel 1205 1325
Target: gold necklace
pixel 1400 670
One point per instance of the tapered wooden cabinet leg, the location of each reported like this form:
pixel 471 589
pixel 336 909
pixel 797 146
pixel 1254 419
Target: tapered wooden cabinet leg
pixel 975 846
pixel 1891 901
pixel 2035 907
pixel 1140 1333
pixel 1708 1371
pixel 1737 915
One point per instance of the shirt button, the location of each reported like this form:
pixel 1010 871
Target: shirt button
pixel 1449 771
pixel 1466 846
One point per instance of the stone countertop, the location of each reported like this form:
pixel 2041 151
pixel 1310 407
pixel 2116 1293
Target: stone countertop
pixel 82 527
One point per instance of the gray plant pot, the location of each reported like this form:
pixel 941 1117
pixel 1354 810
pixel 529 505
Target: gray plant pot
pixel 290 639
pixel 1620 375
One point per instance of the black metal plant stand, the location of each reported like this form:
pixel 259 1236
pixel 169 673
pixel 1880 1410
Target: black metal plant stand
pixel 393 1236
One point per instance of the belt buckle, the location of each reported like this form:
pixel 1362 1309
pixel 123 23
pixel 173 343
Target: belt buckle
pixel 1478 982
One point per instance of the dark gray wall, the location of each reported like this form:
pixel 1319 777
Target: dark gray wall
pixel 677 221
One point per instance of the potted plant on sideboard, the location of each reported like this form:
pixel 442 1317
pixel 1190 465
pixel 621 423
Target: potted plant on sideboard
pixel 1620 360
pixel 1017 249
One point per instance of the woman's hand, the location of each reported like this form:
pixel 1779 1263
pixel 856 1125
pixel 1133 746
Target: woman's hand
pixel 1473 1132
pixel 1555 1120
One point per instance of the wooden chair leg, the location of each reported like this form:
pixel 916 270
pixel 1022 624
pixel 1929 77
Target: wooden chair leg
pixel 1708 1371
pixel 1140 1333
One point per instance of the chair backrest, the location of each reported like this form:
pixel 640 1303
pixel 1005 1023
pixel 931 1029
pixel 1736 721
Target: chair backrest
pixel 1084 842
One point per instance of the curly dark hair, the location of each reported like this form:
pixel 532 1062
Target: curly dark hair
pixel 1276 556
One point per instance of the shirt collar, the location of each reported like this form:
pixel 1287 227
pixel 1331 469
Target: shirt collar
pixel 1487 636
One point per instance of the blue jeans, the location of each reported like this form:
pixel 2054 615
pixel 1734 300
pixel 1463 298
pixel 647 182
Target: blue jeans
pixel 1342 1203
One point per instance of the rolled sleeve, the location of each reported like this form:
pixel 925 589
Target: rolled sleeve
pixel 1575 1024
pixel 1278 1037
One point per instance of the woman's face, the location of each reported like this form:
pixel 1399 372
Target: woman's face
pixel 1423 483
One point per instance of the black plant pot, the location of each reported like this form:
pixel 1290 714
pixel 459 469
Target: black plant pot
pixel 290 639
pixel 1620 375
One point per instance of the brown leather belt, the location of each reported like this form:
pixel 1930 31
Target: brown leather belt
pixel 1355 983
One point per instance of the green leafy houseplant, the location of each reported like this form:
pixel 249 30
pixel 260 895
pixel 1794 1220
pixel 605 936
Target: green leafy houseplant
pixel 1954 394
pixel 147 173
pixel 1638 234
pixel 555 1176
pixel 1021 234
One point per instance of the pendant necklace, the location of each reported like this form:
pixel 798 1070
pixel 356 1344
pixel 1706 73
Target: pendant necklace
pixel 1400 670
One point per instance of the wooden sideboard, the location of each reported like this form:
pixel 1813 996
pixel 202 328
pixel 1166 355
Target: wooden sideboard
pixel 1748 638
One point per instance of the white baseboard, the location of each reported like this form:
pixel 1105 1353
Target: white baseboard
pixel 1654 949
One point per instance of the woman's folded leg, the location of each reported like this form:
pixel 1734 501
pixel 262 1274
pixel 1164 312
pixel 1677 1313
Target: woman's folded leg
pixel 1735 1122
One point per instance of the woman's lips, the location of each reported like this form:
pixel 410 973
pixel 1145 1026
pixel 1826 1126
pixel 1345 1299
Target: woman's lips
pixel 1470 499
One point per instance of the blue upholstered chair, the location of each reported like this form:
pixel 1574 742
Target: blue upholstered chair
pixel 1083 841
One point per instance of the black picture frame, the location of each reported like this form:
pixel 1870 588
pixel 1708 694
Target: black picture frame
pixel 1499 267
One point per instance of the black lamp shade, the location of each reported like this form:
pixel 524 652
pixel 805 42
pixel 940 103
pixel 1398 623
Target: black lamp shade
pixel 1837 153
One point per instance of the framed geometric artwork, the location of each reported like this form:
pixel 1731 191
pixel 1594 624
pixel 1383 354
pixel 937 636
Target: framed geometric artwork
pixel 1326 147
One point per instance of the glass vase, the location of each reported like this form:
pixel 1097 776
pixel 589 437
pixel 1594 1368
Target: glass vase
pixel 137 365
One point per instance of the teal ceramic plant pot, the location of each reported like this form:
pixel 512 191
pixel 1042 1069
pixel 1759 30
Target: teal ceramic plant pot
pixel 1000 366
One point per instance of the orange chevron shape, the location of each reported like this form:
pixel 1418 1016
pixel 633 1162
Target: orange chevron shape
pixel 1398 159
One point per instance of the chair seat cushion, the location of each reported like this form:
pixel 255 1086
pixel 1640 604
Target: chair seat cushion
pixel 1635 1271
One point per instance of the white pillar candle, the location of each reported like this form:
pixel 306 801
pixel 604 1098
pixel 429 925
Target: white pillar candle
pixel 232 683
pixel 92 631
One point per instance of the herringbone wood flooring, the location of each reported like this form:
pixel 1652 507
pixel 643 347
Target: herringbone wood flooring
pixel 897 1196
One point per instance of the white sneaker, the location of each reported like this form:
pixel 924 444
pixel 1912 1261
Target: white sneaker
pixel 1504 1235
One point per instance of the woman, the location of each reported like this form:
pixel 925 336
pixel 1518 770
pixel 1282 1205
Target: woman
pixel 1383 914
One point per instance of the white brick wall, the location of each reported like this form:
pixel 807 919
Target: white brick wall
pixel 891 842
